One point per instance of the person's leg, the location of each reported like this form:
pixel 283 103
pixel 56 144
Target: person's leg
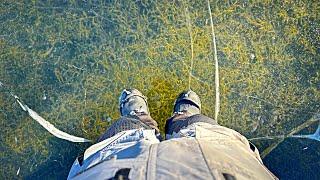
pixel 186 111
pixel 124 147
pixel 134 112
pixel 187 116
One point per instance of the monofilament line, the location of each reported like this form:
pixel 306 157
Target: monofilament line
pixel 216 79
pixel 188 21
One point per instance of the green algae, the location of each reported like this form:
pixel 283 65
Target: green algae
pixel 81 54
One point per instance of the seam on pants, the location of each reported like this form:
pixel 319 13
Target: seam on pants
pixel 152 162
pixel 205 160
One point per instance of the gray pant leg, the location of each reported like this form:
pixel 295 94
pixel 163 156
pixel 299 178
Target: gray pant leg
pixel 130 122
pixel 180 121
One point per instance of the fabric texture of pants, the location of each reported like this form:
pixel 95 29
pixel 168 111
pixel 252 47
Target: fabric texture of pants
pixel 196 148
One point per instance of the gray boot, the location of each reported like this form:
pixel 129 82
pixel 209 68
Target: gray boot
pixel 132 102
pixel 187 102
pixel 187 110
